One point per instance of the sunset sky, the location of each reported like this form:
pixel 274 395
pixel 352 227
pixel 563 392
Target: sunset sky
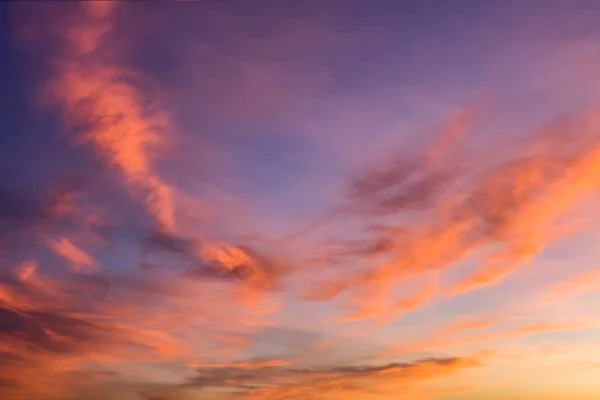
pixel 300 199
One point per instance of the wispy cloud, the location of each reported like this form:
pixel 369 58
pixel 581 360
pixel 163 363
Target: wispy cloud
pixel 81 261
pixel 277 382
pixel 505 210
pixel 99 100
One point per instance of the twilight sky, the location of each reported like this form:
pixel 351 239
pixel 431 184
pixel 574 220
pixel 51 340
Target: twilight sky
pixel 301 199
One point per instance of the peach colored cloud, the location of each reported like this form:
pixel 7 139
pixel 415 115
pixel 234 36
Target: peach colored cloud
pixel 91 324
pixel 573 286
pixel 80 260
pixel 503 211
pixel 95 92
pixel 104 104
pixel 459 334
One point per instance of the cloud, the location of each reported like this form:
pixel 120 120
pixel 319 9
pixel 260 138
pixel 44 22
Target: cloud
pixel 40 345
pixel 254 274
pixel 416 179
pixel 51 332
pixel 469 325
pixel 63 325
pixel 374 305
pixel 105 108
pixel 460 334
pixel 81 261
pixel 283 382
pixel 105 105
pixel 259 271
pixel 20 209
pixel 502 211
pixel 576 285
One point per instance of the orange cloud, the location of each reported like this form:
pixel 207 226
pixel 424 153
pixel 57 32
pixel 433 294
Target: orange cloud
pixel 457 335
pixel 495 269
pixel 26 270
pixel 471 325
pixel 66 327
pixel 576 285
pixel 96 93
pixel 376 307
pixel 80 260
pixel 418 298
pixel 500 212
pixel 101 99
pixel 384 381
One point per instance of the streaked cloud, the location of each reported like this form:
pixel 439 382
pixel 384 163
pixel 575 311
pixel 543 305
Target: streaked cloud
pixel 81 261
pixel 277 382
pixel 506 210
pixel 298 200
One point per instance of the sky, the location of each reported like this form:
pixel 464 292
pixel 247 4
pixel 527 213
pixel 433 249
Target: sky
pixel 300 199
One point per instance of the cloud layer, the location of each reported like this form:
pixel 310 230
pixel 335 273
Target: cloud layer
pixel 297 201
